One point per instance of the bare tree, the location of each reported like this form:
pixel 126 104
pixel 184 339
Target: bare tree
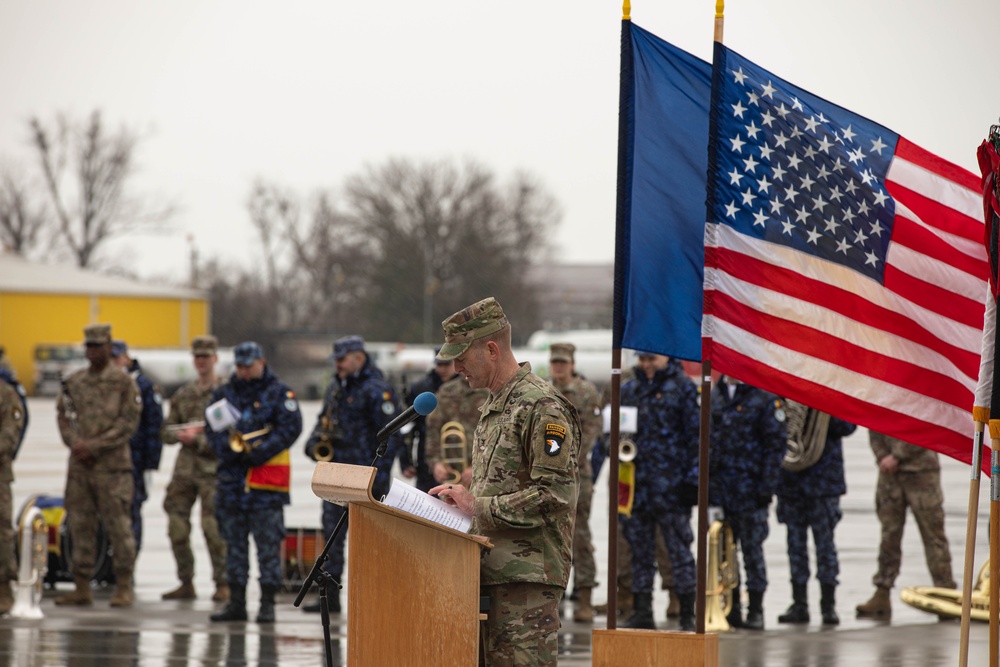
pixel 22 216
pixel 87 171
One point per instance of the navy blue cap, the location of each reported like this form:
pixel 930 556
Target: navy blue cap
pixel 246 353
pixel 118 348
pixel 348 344
pixel 437 351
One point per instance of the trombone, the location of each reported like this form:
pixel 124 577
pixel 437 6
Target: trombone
pixel 241 442
pixel 454 449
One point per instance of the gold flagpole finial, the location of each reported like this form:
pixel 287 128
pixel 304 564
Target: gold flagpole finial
pixel 627 10
pixel 720 8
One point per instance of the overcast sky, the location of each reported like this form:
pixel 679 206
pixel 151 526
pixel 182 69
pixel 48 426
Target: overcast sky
pixel 306 93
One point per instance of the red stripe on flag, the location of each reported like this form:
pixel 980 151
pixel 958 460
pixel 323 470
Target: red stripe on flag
pixel 942 301
pixel 933 213
pixel 911 152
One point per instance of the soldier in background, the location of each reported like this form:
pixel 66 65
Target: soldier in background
pixel 145 443
pixel 524 488
pixel 810 500
pixel 359 402
pixel 253 483
pixel 98 410
pixel 748 441
pixel 666 482
pixel 587 400
pixel 417 437
pixel 13 424
pixel 908 476
pixel 194 475
pixel 457 402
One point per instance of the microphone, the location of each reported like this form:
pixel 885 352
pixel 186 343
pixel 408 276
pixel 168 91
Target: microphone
pixel 423 405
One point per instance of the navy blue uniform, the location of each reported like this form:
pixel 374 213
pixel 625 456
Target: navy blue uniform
pixel 241 509
pixel 145 444
pixel 748 441
pixel 355 409
pixel 810 499
pixel 666 474
pixel 418 436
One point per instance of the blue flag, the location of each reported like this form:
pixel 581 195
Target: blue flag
pixel 663 162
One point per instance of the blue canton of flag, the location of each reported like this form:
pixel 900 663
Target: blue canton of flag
pixel 796 170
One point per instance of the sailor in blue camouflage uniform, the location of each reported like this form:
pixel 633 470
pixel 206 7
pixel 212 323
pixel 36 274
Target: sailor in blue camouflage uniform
pixel 358 403
pixel 145 443
pixel 666 481
pixel 810 499
pixel 416 439
pixel 748 440
pixel 253 484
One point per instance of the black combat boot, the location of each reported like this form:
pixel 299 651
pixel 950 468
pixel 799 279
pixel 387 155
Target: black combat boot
pixel 236 608
pixel 755 611
pixel 266 612
pixel 735 615
pixel 642 617
pixel 828 604
pixel 687 612
pixel 798 612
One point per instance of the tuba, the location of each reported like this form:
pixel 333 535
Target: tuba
pixel 454 449
pixel 34 540
pixel 241 443
pixel 806 436
pixel 723 577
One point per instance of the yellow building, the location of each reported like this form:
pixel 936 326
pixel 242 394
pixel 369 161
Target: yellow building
pixel 42 304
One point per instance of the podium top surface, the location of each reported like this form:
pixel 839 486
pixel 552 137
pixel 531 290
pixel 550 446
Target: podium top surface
pixel 343 484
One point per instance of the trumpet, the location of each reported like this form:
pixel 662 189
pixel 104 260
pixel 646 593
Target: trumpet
pixel 323 451
pixel 241 442
pixel 627 451
pixel 454 449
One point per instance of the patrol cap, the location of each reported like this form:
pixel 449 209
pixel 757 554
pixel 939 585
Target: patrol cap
pixel 479 320
pixel 97 334
pixel 204 346
pixel 118 348
pixel 561 352
pixel 348 344
pixel 246 353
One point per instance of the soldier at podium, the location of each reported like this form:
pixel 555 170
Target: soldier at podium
pixel 523 494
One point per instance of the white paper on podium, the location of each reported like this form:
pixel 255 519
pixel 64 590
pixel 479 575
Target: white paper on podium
pixel 221 415
pixel 410 499
pixel 628 418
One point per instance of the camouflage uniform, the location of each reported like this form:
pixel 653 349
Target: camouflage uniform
pixel 525 481
pixel 915 484
pixel 145 444
pixel 748 441
pixel 666 474
pixel 241 510
pixel 458 402
pixel 193 479
pixel 354 410
pixel 102 409
pixel 585 398
pixel 13 418
pixel 417 437
pixel 811 499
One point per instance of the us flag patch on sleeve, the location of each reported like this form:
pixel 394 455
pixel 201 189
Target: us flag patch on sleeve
pixel 554 436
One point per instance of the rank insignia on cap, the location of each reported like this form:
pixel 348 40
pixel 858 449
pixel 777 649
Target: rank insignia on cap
pixel 554 436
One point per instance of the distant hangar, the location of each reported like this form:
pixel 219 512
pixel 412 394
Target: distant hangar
pixel 43 304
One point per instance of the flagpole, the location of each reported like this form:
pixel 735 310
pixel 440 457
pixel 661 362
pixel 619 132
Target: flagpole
pixel 970 533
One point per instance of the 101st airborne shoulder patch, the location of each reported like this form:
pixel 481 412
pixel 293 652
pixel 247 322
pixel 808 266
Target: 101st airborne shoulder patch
pixel 554 436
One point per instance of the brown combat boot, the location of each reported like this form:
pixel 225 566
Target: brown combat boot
pixel 879 606
pixel 6 597
pixel 80 597
pixel 183 592
pixel 124 596
pixel 221 593
pixel 584 612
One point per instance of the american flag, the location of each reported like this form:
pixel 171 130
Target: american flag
pixel 844 265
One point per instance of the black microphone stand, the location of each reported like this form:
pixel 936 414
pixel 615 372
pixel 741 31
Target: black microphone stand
pixel 323 578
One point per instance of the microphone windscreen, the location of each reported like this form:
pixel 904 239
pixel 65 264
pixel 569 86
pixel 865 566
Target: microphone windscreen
pixel 425 403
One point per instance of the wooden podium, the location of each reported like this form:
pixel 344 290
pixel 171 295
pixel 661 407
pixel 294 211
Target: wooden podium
pixel 412 584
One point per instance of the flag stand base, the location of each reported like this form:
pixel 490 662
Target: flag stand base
pixel 650 647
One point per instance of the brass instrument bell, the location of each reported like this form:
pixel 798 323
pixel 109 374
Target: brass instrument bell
pixel 627 451
pixel 323 451
pixel 241 442
pixel 454 449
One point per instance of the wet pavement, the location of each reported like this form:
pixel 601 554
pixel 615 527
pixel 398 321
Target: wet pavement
pixel 156 632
